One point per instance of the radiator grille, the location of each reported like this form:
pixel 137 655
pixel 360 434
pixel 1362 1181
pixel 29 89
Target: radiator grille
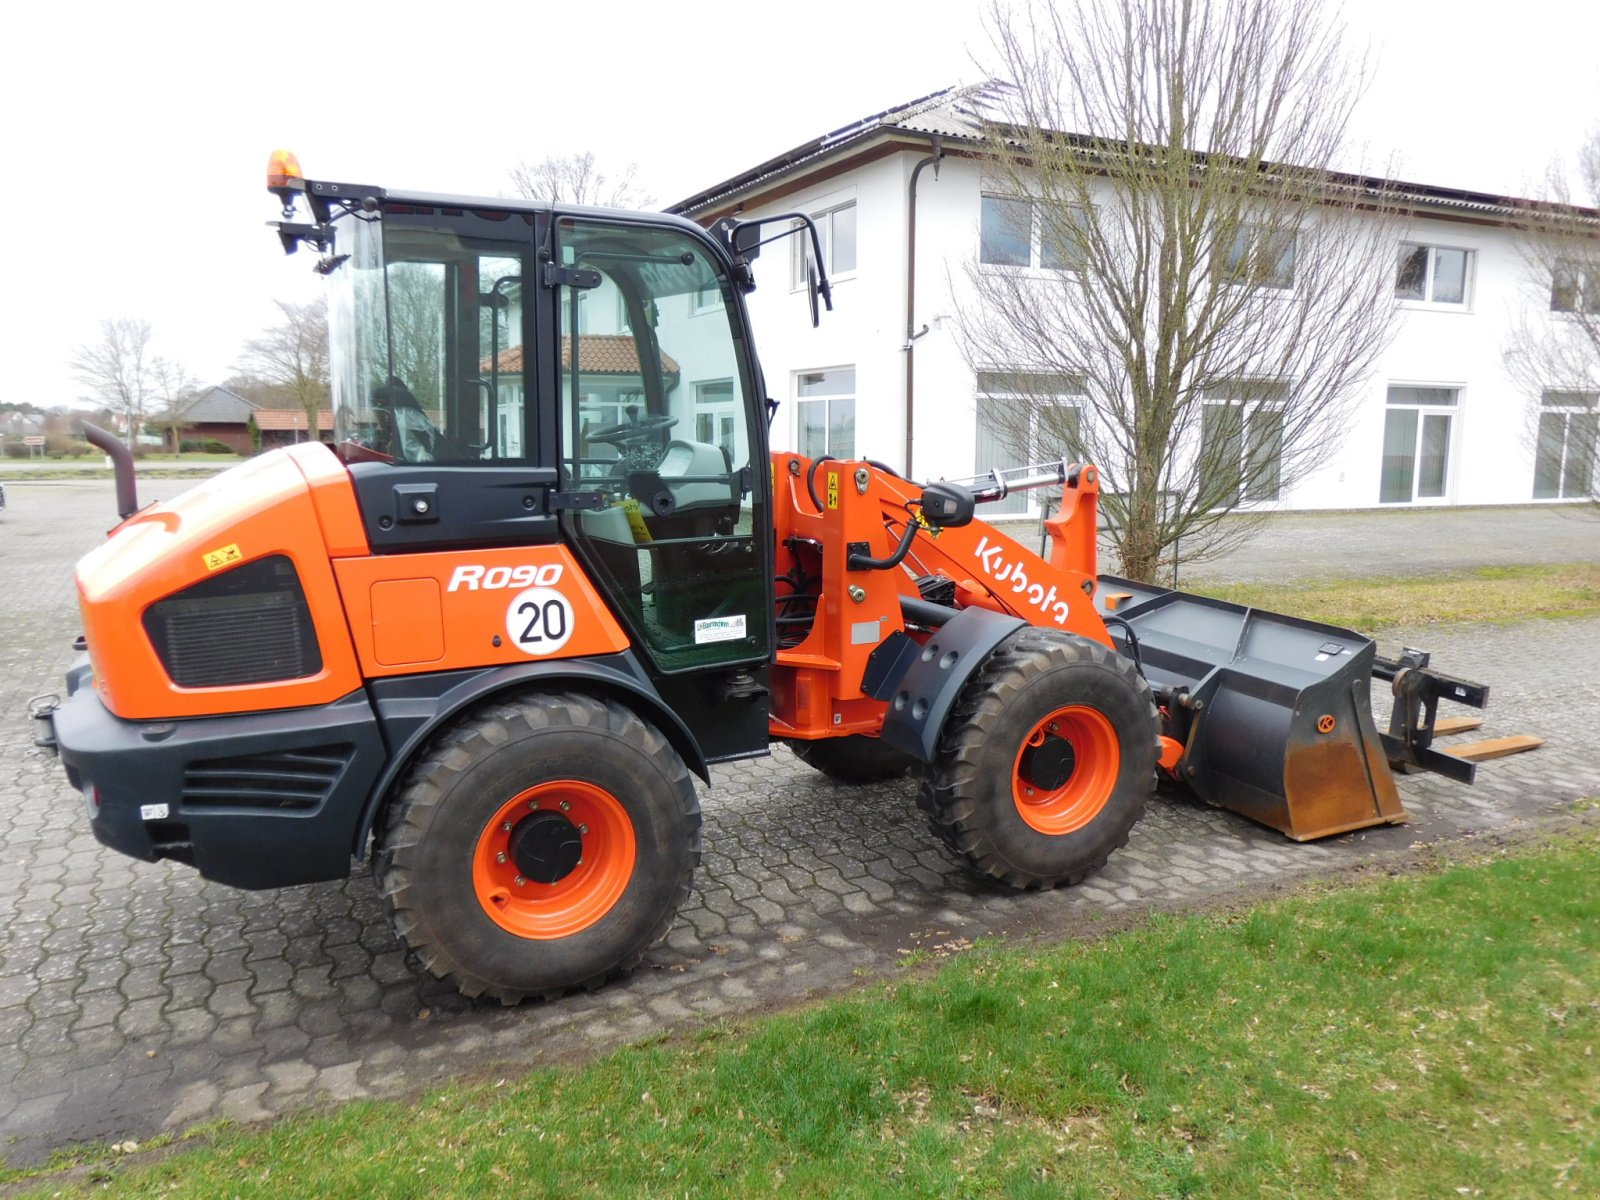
pixel 286 779
pixel 247 625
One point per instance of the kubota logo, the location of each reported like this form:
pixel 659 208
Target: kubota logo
pixel 493 579
pixel 1012 576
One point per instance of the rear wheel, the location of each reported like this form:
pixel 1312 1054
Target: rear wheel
pixel 540 844
pixel 1045 762
pixel 854 759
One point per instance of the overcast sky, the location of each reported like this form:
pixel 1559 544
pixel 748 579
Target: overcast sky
pixel 138 132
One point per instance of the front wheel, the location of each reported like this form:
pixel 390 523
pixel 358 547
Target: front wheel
pixel 1045 762
pixel 540 844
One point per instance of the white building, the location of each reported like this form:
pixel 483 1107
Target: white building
pixel 1439 421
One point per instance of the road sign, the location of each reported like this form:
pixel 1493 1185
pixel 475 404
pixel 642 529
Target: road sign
pixel 33 441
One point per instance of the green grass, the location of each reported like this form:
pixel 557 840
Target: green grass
pixel 1426 1036
pixel 1484 594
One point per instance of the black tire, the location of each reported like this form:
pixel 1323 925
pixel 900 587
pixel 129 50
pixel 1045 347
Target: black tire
pixel 438 837
pixel 854 759
pixel 973 789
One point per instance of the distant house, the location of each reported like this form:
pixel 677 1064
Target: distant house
pixel 218 414
pixel 286 426
pixel 15 425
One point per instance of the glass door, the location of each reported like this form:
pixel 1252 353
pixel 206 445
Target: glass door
pixel 1416 445
pixel 656 427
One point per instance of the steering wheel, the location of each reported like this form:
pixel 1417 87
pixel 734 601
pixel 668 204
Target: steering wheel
pixel 629 432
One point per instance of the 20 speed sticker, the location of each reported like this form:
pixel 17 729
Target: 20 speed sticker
pixel 539 620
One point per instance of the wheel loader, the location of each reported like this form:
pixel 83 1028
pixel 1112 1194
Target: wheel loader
pixel 551 572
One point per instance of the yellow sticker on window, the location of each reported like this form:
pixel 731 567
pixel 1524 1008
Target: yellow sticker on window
pixel 225 556
pixel 833 489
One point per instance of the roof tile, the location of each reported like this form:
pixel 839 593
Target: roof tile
pixel 598 354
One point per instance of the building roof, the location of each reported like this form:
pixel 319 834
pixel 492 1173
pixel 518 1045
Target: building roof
pixel 598 354
pixel 969 115
pixel 21 424
pixel 954 113
pixel 276 420
pixel 219 406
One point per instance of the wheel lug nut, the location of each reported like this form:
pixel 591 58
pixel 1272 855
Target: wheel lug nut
pixel 519 881
pixel 499 858
pixel 565 807
pixel 583 830
pixel 533 804
pixel 506 827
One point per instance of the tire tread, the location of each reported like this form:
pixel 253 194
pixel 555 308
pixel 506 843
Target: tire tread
pixel 455 751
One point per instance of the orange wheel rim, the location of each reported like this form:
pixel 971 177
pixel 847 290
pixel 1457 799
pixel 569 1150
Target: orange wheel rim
pixel 1066 770
pixel 523 870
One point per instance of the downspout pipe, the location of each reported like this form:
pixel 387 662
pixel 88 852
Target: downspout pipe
pixel 912 335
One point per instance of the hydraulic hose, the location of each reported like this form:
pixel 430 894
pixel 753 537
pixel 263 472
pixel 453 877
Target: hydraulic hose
pixel 865 562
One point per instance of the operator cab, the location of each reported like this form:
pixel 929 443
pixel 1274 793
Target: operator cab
pixel 528 374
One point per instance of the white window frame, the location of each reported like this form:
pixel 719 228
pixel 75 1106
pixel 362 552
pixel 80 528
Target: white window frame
pixel 1454 410
pixel 824 218
pixel 705 300
pixel 1234 262
pixel 1568 403
pixel 827 401
pixel 1067 395
pixel 1585 288
pixel 720 403
pixel 1469 271
pixel 1272 395
pixel 1037 208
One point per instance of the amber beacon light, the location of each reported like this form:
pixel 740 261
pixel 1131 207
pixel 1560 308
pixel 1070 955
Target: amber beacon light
pixel 285 178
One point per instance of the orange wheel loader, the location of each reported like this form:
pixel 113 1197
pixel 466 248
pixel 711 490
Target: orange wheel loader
pixel 550 572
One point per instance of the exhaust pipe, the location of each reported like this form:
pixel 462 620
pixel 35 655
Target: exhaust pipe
pixel 121 465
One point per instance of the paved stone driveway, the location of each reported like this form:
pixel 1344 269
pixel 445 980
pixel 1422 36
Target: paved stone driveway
pixel 137 998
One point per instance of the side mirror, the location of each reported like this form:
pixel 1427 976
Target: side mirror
pixel 811 292
pixel 947 505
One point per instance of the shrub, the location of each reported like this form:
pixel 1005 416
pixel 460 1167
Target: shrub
pixel 16 450
pixel 79 449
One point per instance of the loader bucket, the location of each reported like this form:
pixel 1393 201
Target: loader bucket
pixel 1274 712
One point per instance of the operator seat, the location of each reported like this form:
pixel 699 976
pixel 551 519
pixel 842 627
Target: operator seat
pixel 411 436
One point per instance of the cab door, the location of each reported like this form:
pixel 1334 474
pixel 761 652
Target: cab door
pixel 658 439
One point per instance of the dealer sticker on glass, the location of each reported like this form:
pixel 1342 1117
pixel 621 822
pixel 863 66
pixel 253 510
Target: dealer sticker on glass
pixel 719 629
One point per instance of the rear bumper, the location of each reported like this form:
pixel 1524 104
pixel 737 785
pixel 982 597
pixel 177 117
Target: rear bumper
pixel 258 800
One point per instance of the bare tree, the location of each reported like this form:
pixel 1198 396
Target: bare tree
pixel 117 370
pixel 1174 282
pixel 577 179
pixel 1554 346
pixel 172 389
pixel 292 356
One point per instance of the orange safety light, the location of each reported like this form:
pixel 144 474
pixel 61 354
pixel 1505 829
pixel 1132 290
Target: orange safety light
pixel 284 173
